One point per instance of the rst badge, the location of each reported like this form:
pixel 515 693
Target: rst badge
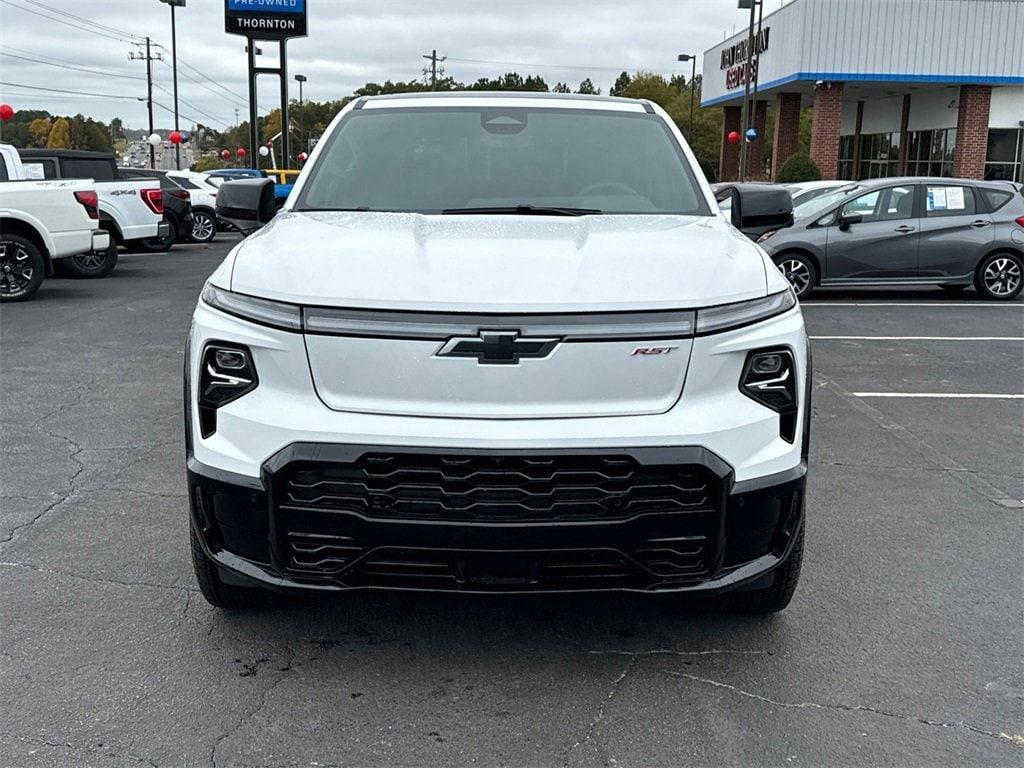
pixel 652 351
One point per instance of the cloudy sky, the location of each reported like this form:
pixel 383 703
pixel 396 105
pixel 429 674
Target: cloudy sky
pixel 49 44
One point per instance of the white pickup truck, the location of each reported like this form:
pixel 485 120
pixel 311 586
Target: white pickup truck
pixel 42 222
pixel 132 210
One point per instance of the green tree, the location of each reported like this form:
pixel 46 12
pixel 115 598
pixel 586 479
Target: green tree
pixel 621 85
pixel 561 88
pixel 587 86
pixel 60 135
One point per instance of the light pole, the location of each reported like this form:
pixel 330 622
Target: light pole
pixel 174 66
pixel 691 57
pixel 300 79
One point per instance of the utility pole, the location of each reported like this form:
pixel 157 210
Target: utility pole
pixel 748 63
pixel 149 58
pixel 300 79
pixel 692 58
pixel 434 61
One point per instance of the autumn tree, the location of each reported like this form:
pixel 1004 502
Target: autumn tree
pixel 60 135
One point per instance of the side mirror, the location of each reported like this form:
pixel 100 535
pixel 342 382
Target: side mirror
pixel 246 204
pixel 846 219
pixel 757 208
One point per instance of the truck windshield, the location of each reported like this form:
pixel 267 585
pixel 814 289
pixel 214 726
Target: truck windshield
pixel 503 160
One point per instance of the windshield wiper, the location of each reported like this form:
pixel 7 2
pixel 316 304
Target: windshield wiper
pixel 526 210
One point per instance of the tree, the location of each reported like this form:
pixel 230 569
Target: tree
pixel 798 168
pixel 621 85
pixel 60 135
pixel 561 88
pixel 678 82
pixel 39 131
pixel 587 86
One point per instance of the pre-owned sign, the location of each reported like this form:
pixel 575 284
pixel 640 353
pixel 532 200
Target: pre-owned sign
pixel 265 19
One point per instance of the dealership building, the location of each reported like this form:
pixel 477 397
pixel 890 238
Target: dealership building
pixel 896 87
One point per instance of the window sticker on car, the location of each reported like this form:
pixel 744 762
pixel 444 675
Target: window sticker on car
pixel 946 199
pixel 955 198
pixel 34 171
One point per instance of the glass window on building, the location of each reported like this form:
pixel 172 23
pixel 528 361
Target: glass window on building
pixel 879 155
pixel 1005 156
pixel 845 170
pixel 930 153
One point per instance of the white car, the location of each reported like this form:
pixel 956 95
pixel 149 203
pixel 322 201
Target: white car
pixel 497 343
pixel 203 196
pixel 805 191
pixel 43 223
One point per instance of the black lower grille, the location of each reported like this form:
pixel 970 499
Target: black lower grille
pixel 496 488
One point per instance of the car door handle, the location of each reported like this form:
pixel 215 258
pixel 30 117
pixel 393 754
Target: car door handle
pixel 903 229
pixel 980 223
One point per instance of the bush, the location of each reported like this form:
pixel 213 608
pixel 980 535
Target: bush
pixel 798 168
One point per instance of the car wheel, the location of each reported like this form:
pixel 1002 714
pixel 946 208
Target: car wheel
pixel 799 270
pixel 1000 276
pixel 219 594
pixel 161 244
pixel 92 265
pixel 774 598
pixel 22 268
pixel 204 227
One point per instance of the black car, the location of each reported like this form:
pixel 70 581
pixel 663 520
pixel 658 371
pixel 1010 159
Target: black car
pixel 177 209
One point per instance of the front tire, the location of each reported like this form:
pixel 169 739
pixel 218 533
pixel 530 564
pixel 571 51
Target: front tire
pixel 204 227
pixel 221 595
pixel 800 271
pixel 22 268
pixel 774 598
pixel 1000 276
pixel 92 265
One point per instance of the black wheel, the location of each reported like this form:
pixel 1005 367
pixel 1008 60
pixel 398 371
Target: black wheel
pixel 953 290
pixel 22 268
pixel 774 598
pixel 222 595
pixel 799 270
pixel 161 244
pixel 204 227
pixel 92 265
pixel 999 276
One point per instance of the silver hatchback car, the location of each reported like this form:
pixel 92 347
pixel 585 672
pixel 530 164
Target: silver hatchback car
pixel 950 233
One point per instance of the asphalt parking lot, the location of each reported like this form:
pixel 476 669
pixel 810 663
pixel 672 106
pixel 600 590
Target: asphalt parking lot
pixel 902 645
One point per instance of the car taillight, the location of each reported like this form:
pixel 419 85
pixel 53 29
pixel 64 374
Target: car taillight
pixel 182 194
pixel 153 198
pixel 1020 221
pixel 90 201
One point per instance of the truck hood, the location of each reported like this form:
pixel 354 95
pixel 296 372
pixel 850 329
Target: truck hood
pixel 473 263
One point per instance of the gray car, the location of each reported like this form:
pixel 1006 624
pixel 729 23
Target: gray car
pixel 950 233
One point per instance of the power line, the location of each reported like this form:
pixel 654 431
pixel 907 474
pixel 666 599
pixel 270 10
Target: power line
pixel 61 12
pixel 75 93
pixel 210 79
pixel 65 23
pixel 69 66
pixel 193 106
pixel 549 66
pixel 201 84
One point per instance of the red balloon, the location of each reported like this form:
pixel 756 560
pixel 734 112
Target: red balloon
pixel 175 137
pixel 225 154
pixel 303 157
pixel 6 112
pixel 733 137
pixel 240 152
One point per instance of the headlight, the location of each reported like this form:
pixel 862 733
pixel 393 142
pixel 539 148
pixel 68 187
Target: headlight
pixel 276 314
pixel 769 377
pixel 226 372
pixel 765 235
pixel 728 316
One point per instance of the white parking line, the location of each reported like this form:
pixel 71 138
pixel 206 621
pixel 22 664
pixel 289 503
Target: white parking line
pixel 918 338
pixel 942 395
pixel 966 304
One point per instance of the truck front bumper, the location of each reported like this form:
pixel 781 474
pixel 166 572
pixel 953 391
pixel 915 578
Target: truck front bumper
pixel 326 517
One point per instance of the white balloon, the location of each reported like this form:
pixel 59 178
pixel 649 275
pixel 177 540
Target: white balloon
pixel 155 140
pixel 264 151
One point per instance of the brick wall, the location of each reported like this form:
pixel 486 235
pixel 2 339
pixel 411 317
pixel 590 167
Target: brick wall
pixel 787 128
pixel 755 150
pixel 825 126
pixel 729 155
pixel 972 131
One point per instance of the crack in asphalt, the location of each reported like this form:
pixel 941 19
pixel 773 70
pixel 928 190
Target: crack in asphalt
pixel 88 750
pixel 1006 738
pixel 283 674
pixel 95 579
pixel 670 652
pixel 599 716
